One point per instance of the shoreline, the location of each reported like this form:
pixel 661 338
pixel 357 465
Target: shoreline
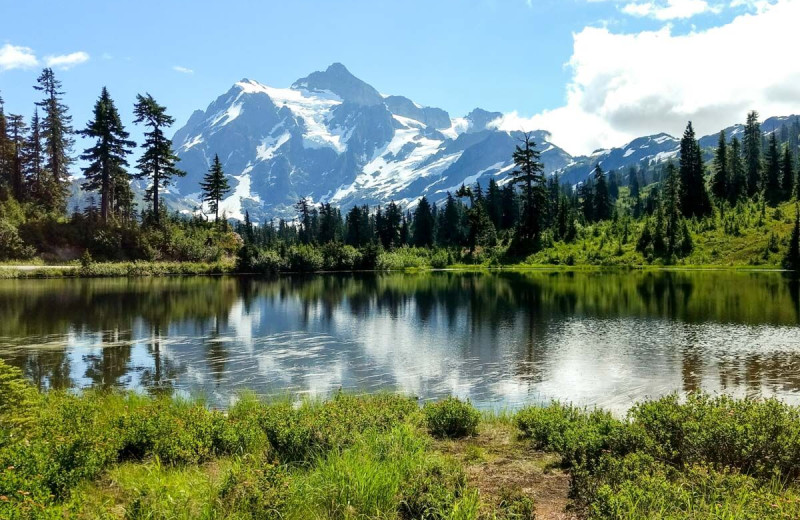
pixel 159 269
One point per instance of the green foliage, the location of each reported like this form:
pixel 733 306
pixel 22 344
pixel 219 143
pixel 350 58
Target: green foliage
pixel 304 258
pixel 580 436
pixel 12 247
pixel 451 418
pixel 736 456
pixel 380 476
pixel 256 489
pixel 302 433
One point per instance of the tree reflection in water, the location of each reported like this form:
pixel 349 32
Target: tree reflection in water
pixel 501 339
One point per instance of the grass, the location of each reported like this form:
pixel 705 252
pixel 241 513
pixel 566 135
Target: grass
pixel 115 455
pixel 121 269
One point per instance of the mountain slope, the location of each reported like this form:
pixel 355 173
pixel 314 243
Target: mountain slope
pixel 332 137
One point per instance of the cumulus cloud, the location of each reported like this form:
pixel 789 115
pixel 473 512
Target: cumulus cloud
pixel 16 57
pixel 183 70
pixel 627 85
pixel 669 9
pixel 66 61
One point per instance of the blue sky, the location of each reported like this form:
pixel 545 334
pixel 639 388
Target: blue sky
pixel 542 62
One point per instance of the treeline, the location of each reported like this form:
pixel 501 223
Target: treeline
pixel 526 211
pixel 660 208
pixel 35 184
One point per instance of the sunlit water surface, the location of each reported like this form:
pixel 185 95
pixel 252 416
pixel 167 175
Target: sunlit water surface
pixel 502 340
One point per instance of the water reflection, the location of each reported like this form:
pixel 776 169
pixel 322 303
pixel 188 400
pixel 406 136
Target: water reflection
pixel 501 339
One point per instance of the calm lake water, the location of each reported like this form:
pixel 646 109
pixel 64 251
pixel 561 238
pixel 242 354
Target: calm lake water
pixel 503 340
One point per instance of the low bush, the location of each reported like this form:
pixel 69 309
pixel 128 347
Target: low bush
pixel 256 489
pixel 302 433
pixel 304 259
pixel 451 418
pixel 580 436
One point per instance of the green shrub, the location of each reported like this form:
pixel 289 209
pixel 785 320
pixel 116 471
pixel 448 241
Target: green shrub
pixel 516 505
pixel 451 418
pixel 255 489
pixel 440 259
pixel 757 437
pixel 340 257
pixel 579 436
pixel 304 259
pixel 381 475
pixel 12 247
pixel 300 434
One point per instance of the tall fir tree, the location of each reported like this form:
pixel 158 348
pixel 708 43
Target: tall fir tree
pixel 721 179
pixel 694 196
pixel 157 163
pixel 5 149
pixel 672 210
pixel 529 172
pixel 424 223
pixel 34 157
pixel 752 148
pixel 787 173
pixel 214 186
pixel 772 172
pixel 57 132
pixel 16 169
pixel 601 198
pixel 107 157
pixel 737 185
pixel 306 232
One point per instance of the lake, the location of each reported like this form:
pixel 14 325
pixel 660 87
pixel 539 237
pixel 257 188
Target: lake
pixel 502 339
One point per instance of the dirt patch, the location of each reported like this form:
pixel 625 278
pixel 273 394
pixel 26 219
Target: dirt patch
pixel 496 461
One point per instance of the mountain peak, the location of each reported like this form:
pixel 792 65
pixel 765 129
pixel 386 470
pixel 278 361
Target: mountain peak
pixel 337 79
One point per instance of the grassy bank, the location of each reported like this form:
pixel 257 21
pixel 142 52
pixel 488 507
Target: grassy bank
pixel 119 269
pixel 116 455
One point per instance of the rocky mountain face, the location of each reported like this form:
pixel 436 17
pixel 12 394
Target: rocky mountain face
pixel 332 137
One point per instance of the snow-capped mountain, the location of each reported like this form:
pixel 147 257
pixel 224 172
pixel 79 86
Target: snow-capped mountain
pixel 332 137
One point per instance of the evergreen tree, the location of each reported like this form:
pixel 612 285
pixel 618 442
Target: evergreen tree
pixel 586 193
pixel 5 149
pixel 107 158
pixel 450 228
pixel 772 180
pixel 157 163
pixel 214 186
pixel 720 183
pixel 792 258
pixel 494 203
pixel 694 197
pixel 613 186
pixel 601 198
pixel 56 128
pixel 306 232
pixel 510 205
pixel 752 153
pixel 390 226
pixel 787 174
pixel 529 172
pixel 424 222
pixel 16 169
pixel 34 157
pixel 633 183
pixel 672 211
pixel 737 186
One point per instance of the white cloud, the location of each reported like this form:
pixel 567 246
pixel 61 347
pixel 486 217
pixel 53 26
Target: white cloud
pixel 16 57
pixel 66 61
pixel 182 70
pixel 627 85
pixel 669 9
